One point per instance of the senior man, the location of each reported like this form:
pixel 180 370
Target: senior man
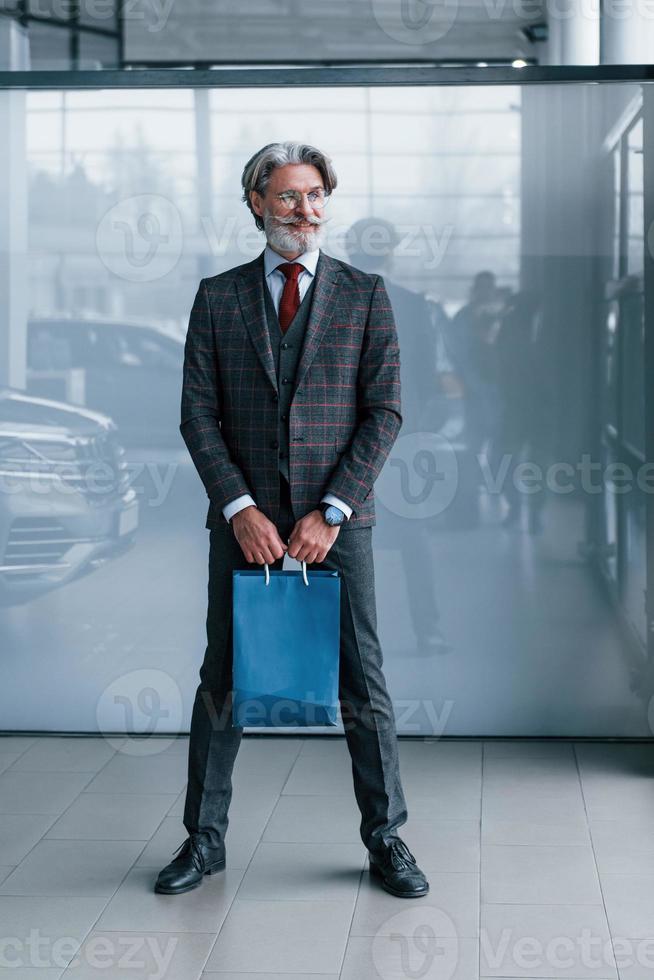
pixel 290 407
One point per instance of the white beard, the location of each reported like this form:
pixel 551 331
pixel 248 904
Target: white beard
pixel 290 238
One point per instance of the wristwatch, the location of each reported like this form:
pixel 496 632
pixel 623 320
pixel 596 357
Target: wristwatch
pixel 333 515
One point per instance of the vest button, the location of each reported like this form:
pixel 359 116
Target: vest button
pixel 283 418
pixel 285 381
pixel 284 346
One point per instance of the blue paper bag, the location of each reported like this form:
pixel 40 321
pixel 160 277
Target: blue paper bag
pixel 286 645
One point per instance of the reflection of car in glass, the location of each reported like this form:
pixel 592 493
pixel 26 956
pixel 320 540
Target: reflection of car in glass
pixel 129 371
pixel 65 501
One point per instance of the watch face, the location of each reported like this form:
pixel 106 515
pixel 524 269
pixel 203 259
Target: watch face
pixel 333 515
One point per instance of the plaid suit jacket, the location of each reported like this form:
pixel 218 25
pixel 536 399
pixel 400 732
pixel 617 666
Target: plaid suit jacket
pixel 345 410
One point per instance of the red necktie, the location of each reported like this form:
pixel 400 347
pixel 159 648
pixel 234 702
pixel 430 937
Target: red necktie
pixel 290 301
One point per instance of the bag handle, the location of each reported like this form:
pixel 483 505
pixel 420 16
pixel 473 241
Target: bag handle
pixel 304 572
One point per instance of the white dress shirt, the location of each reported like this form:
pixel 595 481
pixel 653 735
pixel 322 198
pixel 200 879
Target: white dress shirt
pixel 275 281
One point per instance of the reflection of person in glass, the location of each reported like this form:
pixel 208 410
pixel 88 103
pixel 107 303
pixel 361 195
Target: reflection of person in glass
pixel 290 407
pixel 525 405
pixel 371 243
pixel 471 344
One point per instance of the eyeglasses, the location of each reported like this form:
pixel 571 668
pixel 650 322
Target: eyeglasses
pixel 317 198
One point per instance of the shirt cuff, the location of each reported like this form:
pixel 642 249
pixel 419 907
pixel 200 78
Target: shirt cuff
pixel 233 507
pixel 331 499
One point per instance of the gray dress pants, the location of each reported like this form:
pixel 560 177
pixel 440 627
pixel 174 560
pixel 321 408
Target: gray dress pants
pixel 366 708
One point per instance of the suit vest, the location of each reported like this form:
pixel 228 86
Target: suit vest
pixel 286 348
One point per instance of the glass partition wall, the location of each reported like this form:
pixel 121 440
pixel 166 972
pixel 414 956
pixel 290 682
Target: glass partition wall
pixel 510 223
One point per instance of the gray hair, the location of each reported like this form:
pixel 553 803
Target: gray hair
pixel 258 169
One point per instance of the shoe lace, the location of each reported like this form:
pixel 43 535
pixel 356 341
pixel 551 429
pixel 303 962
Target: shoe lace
pixel 191 844
pixel 400 856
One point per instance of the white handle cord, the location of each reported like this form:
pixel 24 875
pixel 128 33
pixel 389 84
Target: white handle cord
pixel 304 573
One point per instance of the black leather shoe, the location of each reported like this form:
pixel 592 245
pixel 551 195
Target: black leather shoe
pixel 188 869
pixel 397 868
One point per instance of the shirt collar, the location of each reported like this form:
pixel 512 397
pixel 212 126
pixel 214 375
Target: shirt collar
pixel 271 259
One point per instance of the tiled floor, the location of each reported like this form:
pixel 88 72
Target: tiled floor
pixel 540 858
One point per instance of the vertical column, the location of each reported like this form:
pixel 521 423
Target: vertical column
pixel 573 32
pixel 13 239
pixel 648 188
pixel 206 262
pixel 627 32
pixel 14 45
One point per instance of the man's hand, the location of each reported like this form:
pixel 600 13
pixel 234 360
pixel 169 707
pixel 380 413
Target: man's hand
pixel 257 535
pixel 311 538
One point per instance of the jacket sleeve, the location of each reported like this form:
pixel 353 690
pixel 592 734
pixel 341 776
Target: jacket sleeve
pixel 201 408
pixel 378 404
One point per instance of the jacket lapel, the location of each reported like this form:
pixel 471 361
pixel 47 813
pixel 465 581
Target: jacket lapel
pixel 250 285
pixel 250 288
pixel 322 312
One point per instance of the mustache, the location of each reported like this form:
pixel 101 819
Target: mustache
pixel 296 221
